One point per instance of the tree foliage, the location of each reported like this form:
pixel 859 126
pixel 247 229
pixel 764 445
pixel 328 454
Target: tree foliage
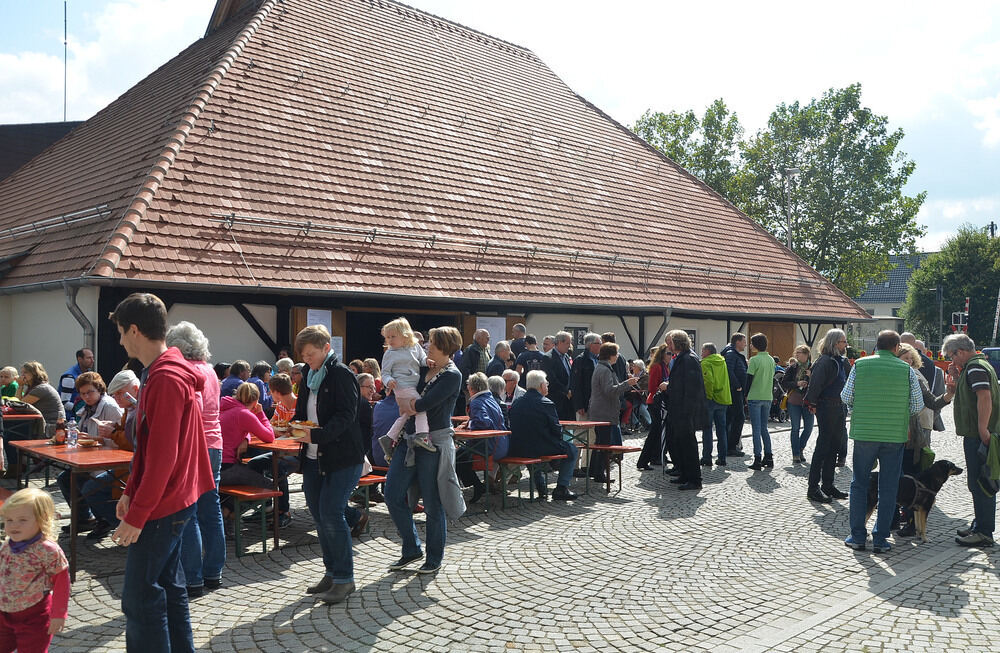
pixel 848 209
pixel 707 148
pixel 968 265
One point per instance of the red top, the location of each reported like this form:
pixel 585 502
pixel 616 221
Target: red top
pixel 658 373
pixel 170 468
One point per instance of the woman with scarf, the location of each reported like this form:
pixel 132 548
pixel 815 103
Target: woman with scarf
pixel 332 458
pixel 431 472
pixel 795 382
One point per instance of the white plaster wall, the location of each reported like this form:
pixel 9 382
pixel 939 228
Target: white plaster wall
pixel 229 335
pixel 38 326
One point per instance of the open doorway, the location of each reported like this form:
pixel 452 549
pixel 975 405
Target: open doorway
pixel 364 329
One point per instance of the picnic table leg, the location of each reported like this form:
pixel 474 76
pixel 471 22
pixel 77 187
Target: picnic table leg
pixel 275 486
pixel 486 473
pixel 25 468
pixel 73 508
pixel 607 472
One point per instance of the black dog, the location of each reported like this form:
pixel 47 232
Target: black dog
pixel 916 493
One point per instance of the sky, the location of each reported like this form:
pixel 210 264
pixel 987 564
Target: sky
pixel 934 72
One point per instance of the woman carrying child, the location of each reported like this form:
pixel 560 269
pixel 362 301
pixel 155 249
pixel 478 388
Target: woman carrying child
pixel 400 374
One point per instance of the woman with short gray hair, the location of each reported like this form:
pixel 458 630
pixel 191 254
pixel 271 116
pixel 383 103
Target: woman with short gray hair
pixel 206 532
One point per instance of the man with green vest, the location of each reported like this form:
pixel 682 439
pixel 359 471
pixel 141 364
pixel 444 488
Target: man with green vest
pixel 884 392
pixel 718 397
pixel 977 416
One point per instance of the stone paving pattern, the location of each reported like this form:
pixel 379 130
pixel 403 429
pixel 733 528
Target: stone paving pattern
pixel 747 564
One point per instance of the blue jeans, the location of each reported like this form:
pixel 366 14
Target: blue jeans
pixel 326 498
pixel 760 409
pixel 203 546
pixel 154 598
pixel 890 465
pixel 94 496
pixel 716 418
pixel 984 507
pixel 397 483
pixel 799 414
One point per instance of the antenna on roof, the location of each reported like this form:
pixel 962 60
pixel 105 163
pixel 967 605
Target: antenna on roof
pixel 65 32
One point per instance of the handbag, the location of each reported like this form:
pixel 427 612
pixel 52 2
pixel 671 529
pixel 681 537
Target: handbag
pixel 784 402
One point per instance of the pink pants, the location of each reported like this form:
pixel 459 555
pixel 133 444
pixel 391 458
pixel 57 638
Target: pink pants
pixel 27 630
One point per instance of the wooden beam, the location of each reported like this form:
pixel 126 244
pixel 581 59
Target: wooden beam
pixel 257 328
pixel 635 346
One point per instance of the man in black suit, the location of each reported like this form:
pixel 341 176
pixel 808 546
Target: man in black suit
pixel 558 371
pixel 583 371
pixel 535 431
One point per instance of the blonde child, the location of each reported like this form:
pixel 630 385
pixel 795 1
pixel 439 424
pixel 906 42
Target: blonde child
pixel 34 577
pixel 8 382
pixel 400 374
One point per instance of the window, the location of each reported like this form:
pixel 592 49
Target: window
pixel 870 311
pixel 895 312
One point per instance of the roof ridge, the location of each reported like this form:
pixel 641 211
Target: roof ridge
pixel 444 22
pixel 112 252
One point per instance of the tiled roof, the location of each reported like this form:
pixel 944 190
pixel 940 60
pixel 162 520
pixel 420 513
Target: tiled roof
pixel 893 289
pixel 355 146
pixel 21 143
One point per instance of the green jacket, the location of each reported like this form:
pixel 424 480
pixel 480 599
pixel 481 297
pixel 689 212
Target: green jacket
pixel 993 457
pixel 966 411
pixel 881 399
pixel 713 368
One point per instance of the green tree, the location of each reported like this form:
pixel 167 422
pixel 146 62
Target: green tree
pixel 707 148
pixel 847 203
pixel 968 265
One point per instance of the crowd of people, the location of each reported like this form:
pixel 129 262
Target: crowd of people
pixel 190 425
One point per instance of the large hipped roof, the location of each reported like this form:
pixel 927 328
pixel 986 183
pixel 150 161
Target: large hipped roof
pixel 356 146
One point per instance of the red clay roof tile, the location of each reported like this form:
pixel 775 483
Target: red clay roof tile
pixel 368 146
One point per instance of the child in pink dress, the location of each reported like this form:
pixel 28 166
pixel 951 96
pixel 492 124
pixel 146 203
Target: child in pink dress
pixel 34 577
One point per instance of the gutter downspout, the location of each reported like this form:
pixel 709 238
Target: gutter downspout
pixel 74 309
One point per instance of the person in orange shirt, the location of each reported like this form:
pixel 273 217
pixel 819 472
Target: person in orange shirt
pixel 284 399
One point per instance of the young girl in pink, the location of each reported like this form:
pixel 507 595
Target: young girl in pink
pixel 34 576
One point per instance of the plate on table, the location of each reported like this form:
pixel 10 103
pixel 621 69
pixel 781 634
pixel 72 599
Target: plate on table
pixel 88 442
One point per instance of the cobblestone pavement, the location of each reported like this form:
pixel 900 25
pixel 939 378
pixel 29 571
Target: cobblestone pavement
pixel 747 564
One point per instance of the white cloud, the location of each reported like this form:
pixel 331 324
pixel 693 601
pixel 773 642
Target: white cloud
pixel 943 217
pixel 987 110
pixel 131 38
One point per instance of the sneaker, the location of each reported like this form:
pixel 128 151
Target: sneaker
pixel 337 593
pixel 835 493
pixel 387 444
pixel 817 495
pixel 425 442
pixel 100 531
pixel 965 532
pixel 284 519
pixel 323 585
pixel 358 529
pixel 721 462
pixel 404 561
pixel 195 591
pixel 881 547
pixel 907 531
pixel 563 493
pixel 213 583
pixel 428 568
pixel 852 543
pixel 975 539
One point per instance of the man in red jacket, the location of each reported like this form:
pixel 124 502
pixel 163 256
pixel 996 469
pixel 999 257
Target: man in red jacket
pixel 170 470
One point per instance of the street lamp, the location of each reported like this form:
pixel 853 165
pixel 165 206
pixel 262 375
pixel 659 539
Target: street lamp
pixel 788 202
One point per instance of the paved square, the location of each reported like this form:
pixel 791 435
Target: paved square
pixel 747 564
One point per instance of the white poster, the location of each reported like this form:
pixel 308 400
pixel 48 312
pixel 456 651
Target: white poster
pixel 316 316
pixel 497 326
pixel 337 345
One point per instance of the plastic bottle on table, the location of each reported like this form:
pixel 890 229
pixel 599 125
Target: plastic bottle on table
pixel 72 433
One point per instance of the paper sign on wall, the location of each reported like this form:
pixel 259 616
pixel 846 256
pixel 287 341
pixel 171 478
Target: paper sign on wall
pixel 316 316
pixel 337 345
pixel 497 326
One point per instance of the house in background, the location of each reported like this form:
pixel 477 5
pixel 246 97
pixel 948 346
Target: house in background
pixel 348 161
pixel 883 301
